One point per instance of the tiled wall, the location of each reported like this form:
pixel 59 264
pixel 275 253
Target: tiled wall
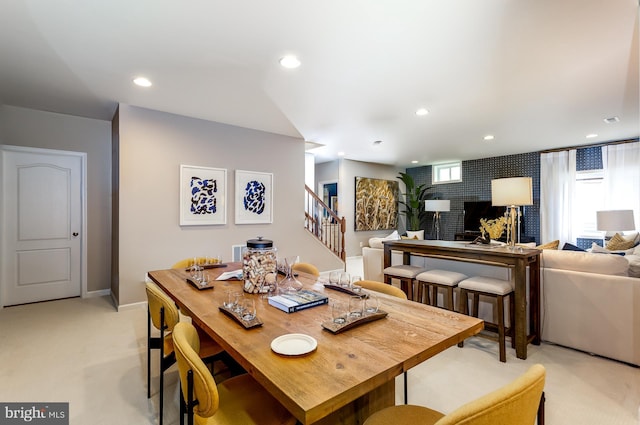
pixel 476 186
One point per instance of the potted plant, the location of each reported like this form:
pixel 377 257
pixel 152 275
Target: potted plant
pixel 413 202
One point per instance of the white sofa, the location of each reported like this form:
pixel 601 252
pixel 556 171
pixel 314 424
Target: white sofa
pixel 589 301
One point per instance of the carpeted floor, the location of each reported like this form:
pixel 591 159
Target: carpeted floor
pixel 84 352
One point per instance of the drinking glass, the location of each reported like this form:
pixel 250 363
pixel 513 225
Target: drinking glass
pixel 249 309
pixel 371 303
pixel 202 277
pixel 356 306
pixel 230 299
pixel 238 304
pixel 345 279
pixel 334 278
pixel 355 279
pixel 338 311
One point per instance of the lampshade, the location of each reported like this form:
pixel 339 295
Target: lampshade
pixel 512 191
pixel 437 205
pixel 615 220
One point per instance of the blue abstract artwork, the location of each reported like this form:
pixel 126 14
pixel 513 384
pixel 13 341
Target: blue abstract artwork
pixel 254 197
pixel 203 195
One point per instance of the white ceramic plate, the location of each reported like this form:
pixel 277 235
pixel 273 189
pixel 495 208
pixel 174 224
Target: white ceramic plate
pixel 294 344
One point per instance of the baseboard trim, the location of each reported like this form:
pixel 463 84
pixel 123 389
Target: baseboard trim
pixel 132 306
pixel 98 293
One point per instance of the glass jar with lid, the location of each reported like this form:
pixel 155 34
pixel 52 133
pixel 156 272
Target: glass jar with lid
pixel 259 266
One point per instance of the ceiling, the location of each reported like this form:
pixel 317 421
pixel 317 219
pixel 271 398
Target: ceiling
pixel 535 74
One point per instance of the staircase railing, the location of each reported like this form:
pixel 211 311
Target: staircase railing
pixel 324 224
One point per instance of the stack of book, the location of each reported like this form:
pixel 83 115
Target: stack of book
pixel 299 301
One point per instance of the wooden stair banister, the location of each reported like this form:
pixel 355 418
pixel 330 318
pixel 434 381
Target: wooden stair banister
pixel 324 224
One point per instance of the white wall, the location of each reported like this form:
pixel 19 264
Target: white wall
pixel 349 170
pixel 152 145
pixel 31 128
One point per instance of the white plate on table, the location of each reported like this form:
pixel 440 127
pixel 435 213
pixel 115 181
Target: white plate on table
pixel 294 344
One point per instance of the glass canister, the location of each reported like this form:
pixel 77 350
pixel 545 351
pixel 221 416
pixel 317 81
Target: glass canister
pixel 259 266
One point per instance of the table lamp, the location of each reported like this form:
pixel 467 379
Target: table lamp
pixel 612 221
pixel 437 206
pixel 512 193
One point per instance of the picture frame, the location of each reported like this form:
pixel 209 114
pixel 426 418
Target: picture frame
pixel 254 197
pixel 376 204
pixel 203 195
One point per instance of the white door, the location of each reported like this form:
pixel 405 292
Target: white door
pixel 41 225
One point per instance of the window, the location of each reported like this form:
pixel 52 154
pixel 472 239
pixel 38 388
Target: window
pixel 588 198
pixel 447 173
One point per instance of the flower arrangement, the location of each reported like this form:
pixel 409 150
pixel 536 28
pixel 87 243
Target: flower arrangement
pixel 493 228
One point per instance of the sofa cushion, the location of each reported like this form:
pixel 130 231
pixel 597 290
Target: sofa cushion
pixel 570 247
pixel 377 242
pixel 549 245
pixel 634 265
pixel 600 250
pixel 585 262
pixel 617 242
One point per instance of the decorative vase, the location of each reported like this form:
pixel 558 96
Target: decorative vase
pixel 415 234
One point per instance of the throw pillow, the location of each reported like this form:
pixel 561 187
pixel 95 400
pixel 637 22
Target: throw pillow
pixel 600 250
pixel 571 247
pixel 407 237
pixel 549 245
pixel 617 243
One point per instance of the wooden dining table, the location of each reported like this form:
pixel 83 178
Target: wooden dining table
pixel 351 374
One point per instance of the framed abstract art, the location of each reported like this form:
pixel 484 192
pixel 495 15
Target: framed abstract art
pixel 376 204
pixel 254 197
pixel 203 195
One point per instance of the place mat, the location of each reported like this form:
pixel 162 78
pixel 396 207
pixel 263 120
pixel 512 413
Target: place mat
pixel 337 327
pixel 235 316
pixel 209 284
pixel 345 290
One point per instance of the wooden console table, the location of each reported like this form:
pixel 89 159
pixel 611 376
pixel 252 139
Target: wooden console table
pixel 518 260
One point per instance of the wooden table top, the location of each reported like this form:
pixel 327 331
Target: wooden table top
pixel 344 366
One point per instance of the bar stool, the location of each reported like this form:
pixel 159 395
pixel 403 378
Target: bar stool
pixel 494 288
pixel 435 279
pixel 405 274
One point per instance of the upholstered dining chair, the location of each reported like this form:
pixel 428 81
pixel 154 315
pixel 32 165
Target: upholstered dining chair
pixel 237 400
pixel 163 314
pixel 387 288
pixel 517 403
pixel 306 268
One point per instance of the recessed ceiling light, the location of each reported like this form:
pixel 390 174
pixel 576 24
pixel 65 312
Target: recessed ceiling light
pixel 142 82
pixel 290 62
pixel 421 112
pixel 414 162
pixel 340 153
pixel 612 120
pixel 591 136
pixel 489 137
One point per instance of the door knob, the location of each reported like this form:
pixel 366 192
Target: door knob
pixel 75 234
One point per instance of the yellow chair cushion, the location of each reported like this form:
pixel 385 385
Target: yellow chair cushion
pixel 384 288
pixel 306 268
pixel 404 415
